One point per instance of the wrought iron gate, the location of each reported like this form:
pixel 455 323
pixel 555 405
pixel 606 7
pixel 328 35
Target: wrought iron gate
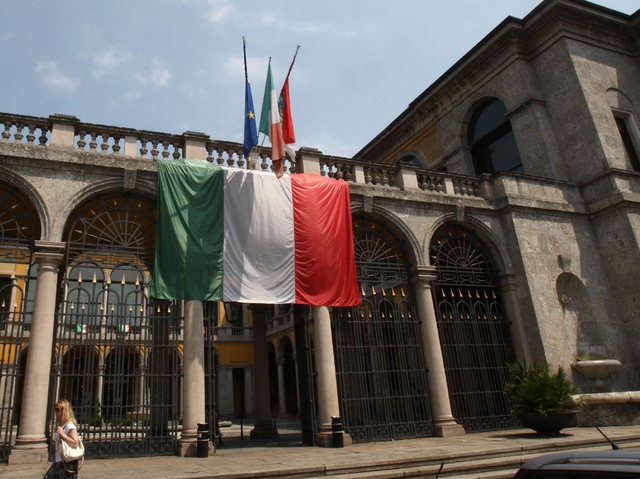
pixel 474 332
pixel 211 361
pixel 19 226
pixel 306 374
pixel 117 352
pixel 379 361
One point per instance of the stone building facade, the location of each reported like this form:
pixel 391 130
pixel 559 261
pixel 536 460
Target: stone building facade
pixel 496 218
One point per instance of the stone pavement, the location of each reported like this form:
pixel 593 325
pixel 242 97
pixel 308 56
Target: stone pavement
pixel 287 455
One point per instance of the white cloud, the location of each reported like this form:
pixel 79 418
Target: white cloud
pixel 218 10
pixel 269 19
pixel 51 75
pixel 108 61
pixel 157 74
pixel 256 66
pixel 309 27
pixel 160 74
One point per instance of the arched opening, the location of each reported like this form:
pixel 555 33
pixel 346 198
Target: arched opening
pixel 121 372
pixel 78 380
pixel 490 136
pixel 474 332
pixel 105 306
pixel 19 228
pixel 379 360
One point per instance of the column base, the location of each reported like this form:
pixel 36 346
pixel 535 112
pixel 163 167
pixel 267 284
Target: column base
pixel 264 431
pixel 29 454
pixel 325 439
pixel 448 430
pixel 189 448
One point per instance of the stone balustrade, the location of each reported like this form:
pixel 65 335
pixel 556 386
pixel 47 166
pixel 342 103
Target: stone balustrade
pixel 69 131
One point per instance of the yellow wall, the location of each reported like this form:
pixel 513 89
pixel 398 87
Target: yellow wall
pixel 426 145
pixel 235 353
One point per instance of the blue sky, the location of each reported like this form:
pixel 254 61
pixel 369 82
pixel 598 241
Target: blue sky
pixel 176 65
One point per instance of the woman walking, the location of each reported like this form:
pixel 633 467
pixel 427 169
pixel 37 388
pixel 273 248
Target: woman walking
pixel 66 431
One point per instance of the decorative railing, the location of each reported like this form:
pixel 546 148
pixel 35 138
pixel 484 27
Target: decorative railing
pixel 24 129
pixel 128 142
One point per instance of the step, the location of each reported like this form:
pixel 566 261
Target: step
pixel 495 465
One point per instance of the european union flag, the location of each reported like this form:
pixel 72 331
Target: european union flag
pixel 250 130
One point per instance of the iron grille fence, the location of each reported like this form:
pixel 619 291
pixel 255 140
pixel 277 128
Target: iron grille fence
pixel 122 374
pixel 15 321
pixel 379 360
pixel 19 226
pixel 474 332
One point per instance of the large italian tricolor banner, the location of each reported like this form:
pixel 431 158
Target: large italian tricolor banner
pixel 246 236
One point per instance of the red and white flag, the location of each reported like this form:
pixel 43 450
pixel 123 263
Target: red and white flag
pixel 284 105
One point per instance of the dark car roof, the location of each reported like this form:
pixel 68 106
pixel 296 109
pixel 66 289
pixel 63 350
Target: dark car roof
pixel 627 460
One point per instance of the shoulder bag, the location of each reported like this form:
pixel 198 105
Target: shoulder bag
pixel 69 453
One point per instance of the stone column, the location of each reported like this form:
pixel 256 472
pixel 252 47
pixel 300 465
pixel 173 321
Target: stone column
pixel 295 363
pixel 263 428
pixel 248 391
pixel 226 405
pixel 327 385
pixel 142 393
pixel 282 400
pixel 100 380
pixel 444 424
pixel 194 389
pixel 31 444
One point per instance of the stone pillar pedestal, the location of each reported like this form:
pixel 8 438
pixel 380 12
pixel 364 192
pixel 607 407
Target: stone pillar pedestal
pixel 193 366
pixel 263 428
pixel 31 445
pixel 327 384
pixel 444 424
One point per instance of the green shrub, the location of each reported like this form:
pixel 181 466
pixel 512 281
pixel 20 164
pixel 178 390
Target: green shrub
pixel 535 388
pixel 95 421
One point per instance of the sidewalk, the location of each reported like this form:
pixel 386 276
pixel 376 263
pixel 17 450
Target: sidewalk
pixel 251 458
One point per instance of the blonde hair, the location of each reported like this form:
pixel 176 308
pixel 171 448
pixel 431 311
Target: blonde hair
pixel 67 413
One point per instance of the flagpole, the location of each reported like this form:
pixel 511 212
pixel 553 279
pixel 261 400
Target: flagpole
pixel 264 137
pixel 292 62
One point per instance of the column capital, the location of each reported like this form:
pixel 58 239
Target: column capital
pixel 257 307
pixel 49 250
pixel 423 274
pixel 508 280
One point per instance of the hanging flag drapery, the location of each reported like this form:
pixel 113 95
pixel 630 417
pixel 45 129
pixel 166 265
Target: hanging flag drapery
pixel 250 130
pixel 284 105
pixel 249 237
pixel 270 124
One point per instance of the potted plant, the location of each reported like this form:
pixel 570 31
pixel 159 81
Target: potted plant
pixel 541 400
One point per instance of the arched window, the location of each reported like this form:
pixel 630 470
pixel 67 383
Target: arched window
pixel 493 145
pixel 411 160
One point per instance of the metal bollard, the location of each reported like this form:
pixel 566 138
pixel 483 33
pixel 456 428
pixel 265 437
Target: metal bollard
pixel 203 440
pixel 337 431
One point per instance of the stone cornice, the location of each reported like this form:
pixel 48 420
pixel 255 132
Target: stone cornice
pixel 511 40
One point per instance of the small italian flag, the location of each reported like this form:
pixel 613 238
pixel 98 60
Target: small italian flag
pixel 270 124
